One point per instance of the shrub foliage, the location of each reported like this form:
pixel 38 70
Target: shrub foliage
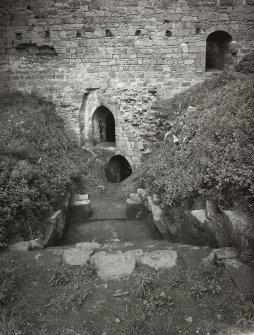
pixel 215 153
pixel 37 163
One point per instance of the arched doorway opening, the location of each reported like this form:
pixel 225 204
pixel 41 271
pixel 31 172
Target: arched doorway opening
pixel 118 169
pixel 110 128
pixel 218 55
pixel 103 126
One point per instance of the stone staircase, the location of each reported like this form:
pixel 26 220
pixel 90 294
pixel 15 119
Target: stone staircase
pixel 116 244
pixel 108 223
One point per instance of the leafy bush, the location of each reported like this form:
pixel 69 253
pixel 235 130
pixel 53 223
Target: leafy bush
pixel 246 65
pixel 215 153
pixel 37 163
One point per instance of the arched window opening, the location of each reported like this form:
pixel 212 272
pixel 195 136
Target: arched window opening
pixel 218 56
pixel 118 169
pixel 103 126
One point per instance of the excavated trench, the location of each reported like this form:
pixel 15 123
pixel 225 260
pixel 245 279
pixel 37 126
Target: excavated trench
pixel 108 222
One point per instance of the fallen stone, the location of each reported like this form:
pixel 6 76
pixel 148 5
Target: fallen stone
pixel 21 246
pixel 76 256
pixel 101 286
pixel 113 266
pixel 242 275
pixel 193 256
pixel 241 228
pixel 224 253
pixel 141 146
pixel 36 244
pixel 81 197
pixel 157 214
pixel 159 259
pixel 156 199
pixel 189 319
pixel 208 260
pixel 212 210
pixel 142 193
pixel 129 244
pixel 82 207
pixel 209 229
pixel 135 197
pixel 200 216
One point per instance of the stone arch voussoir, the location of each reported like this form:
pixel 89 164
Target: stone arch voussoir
pixel 111 107
pixel 220 27
pixel 127 157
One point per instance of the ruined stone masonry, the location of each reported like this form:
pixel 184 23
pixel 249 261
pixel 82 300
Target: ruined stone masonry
pixel 106 62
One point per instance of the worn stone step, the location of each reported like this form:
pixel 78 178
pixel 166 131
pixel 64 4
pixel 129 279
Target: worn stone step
pixel 105 231
pixel 103 209
pixel 99 215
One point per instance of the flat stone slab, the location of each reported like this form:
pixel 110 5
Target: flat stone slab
pixel 224 253
pixel 103 210
pixel 200 215
pixel 20 246
pixel 241 274
pixel 82 206
pixel 88 246
pixel 135 208
pixel 159 259
pixel 114 266
pixel 193 256
pixel 81 197
pixel 76 256
pixel 36 244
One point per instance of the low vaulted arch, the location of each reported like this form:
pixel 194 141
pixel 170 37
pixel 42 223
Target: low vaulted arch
pixel 218 55
pixel 118 169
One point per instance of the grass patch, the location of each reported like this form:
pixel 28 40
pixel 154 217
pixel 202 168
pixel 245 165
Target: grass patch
pixel 8 286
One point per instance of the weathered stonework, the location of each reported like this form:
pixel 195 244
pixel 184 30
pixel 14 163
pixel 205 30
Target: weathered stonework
pixel 122 54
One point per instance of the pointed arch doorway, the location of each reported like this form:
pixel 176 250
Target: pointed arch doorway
pixel 103 126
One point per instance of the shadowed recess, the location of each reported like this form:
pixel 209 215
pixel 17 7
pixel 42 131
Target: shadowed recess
pixel 103 126
pixel 118 169
pixel 217 50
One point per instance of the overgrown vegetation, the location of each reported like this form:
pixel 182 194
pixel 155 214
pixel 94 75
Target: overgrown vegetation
pixel 246 65
pixel 214 155
pixel 37 164
pixel 8 286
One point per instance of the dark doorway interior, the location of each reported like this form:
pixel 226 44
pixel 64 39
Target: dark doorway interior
pixel 217 50
pixel 118 169
pixel 110 128
pixel 103 126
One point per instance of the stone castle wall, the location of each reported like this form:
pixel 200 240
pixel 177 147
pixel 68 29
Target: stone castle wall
pixel 124 54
